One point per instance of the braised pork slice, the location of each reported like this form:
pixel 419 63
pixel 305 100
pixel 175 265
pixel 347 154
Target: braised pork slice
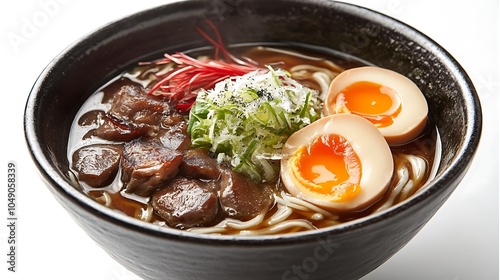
pixel 198 164
pixel 240 198
pixel 175 136
pixel 186 203
pixel 133 114
pixel 97 165
pixel 147 164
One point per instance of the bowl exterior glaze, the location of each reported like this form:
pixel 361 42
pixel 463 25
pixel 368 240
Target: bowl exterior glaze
pixel 348 251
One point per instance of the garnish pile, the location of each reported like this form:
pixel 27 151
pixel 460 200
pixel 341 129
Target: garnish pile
pixel 241 112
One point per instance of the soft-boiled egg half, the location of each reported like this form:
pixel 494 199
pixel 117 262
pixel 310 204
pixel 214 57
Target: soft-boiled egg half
pixel 391 101
pixel 340 162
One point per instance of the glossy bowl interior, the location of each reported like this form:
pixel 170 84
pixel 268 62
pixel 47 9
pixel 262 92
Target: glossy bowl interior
pixel 348 251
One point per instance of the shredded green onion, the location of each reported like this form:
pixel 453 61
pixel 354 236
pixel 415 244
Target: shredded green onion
pixel 245 120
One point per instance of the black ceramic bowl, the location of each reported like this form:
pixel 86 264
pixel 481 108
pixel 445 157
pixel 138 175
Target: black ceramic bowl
pixel 348 251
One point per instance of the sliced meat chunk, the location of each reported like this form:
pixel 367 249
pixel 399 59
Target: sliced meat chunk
pixel 240 198
pixel 133 113
pixel 131 103
pixel 186 203
pixel 198 164
pixel 118 130
pixel 171 118
pixel 147 164
pixel 175 136
pixel 110 90
pixel 97 165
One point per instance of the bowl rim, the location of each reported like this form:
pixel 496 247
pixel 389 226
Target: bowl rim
pixel 454 172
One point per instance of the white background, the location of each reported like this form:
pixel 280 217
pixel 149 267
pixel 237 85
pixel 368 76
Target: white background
pixel 460 242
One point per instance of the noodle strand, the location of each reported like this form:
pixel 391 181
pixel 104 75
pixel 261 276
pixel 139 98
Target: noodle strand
pixel 404 177
pixel 279 227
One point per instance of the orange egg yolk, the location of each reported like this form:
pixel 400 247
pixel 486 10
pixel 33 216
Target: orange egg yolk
pixel 328 167
pixel 376 103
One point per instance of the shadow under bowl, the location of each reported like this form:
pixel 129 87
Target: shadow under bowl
pixel 347 251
